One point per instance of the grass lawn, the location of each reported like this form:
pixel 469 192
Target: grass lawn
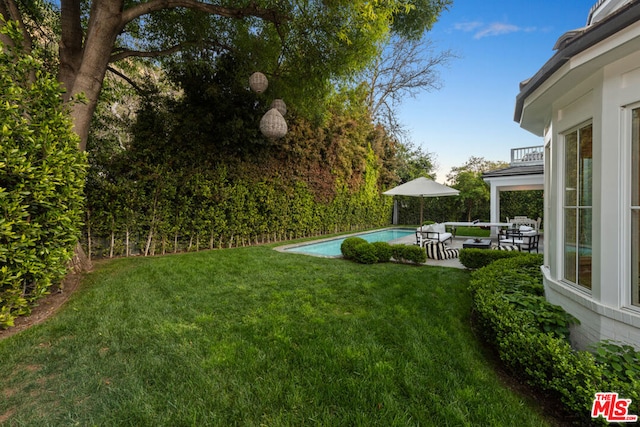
pixel 249 337
pixel 472 232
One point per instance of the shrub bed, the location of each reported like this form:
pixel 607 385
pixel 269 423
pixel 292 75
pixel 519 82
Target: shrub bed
pixel 531 339
pixel 42 174
pixel 477 258
pixel 407 253
pixel 359 250
pixel 348 246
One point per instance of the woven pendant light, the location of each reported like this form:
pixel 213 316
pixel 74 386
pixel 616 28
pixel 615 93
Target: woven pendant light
pixel 258 82
pixel 279 105
pixel 273 125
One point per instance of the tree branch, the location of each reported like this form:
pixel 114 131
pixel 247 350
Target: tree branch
pixel 252 9
pixel 9 10
pixel 127 79
pixel 150 54
pixel 126 53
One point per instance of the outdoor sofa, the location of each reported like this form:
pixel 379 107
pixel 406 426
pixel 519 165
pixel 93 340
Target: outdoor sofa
pixel 433 232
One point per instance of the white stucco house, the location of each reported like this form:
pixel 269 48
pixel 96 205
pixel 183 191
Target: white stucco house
pixel 585 104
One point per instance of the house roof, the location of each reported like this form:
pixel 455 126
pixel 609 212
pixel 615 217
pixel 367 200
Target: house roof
pixel 515 171
pixel 576 41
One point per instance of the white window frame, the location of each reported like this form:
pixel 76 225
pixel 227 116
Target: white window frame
pixel 630 209
pixel 564 207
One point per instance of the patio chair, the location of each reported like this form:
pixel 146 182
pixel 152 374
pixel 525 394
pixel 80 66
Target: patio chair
pixel 438 251
pixel 524 238
pixel 530 241
pixel 437 232
pixel 509 239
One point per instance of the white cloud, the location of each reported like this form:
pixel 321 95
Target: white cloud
pixel 496 29
pixel 467 26
pixel 490 30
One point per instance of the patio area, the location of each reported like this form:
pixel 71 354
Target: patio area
pixel 456 243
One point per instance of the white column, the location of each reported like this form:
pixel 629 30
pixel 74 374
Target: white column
pixel 495 207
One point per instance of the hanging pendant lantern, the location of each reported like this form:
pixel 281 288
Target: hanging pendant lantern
pixel 258 82
pixel 273 125
pixel 279 105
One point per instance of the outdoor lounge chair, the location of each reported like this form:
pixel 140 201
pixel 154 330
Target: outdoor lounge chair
pixel 524 238
pixel 437 250
pixel 433 232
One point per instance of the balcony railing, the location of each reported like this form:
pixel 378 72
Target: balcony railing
pixel 527 156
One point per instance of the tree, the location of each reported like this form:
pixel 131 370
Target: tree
pixel 476 165
pixel 474 191
pixel 405 67
pixel 414 163
pixel 310 41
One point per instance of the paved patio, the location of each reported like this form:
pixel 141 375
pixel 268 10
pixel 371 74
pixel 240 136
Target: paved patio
pixel 457 244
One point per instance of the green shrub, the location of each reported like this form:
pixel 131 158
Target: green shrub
pixel 618 360
pixel 41 179
pixel 348 246
pixel 359 250
pixel 365 253
pixel 409 253
pixel 383 251
pixel 531 338
pixel 477 258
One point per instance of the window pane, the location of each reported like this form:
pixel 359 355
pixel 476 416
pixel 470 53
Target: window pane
pixel 570 256
pixel 586 159
pixel 584 248
pixel 578 178
pixel 570 169
pixel 635 212
pixel 635 159
pixel 635 256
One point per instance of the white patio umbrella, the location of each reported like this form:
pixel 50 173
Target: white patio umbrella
pixel 422 187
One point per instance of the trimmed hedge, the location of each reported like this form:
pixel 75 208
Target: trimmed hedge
pixel 409 253
pixel 365 254
pixel 383 250
pixel 348 246
pixel 42 175
pixel 359 250
pixel 477 258
pixel 530 336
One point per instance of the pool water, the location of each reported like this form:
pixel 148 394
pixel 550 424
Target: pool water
pixel 331 248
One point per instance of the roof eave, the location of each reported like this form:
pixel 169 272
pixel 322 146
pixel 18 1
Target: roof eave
pixel 590 37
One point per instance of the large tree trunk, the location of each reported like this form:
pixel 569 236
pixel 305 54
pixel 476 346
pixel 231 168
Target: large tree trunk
pixel 79 262
pixel 70 46
pixel 82 70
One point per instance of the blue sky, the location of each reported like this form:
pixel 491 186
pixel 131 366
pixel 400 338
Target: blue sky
pixel 499 44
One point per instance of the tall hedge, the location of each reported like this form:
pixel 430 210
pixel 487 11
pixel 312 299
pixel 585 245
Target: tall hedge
pixel 41 180
pixel 185 181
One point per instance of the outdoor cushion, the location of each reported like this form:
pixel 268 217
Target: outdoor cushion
pixel 438 228
pixel 437 250
pixel 526 228
pixel 441 237
pixel 437 232
pixel 507 248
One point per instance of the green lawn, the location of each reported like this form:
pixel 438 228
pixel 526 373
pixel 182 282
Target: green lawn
pixel 251 336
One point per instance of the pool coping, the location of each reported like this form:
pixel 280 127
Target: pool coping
pixel 286 248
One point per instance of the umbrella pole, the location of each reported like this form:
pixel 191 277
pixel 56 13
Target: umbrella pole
pixel 421 208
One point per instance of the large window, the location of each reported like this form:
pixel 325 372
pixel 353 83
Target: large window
pixel 578 160
pixel 635 208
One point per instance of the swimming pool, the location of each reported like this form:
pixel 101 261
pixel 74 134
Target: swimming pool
pixel 331 248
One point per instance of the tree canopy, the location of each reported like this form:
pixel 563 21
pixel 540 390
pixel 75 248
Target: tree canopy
pixel 474 191
pixel 303 45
